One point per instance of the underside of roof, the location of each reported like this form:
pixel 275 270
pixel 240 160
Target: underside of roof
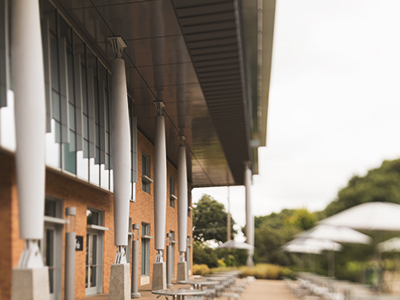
pixel 202 58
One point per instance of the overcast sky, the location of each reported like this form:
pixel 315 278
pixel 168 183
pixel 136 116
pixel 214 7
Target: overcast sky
pixel 334 107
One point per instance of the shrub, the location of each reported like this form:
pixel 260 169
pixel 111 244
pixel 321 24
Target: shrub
pixel 266 271
pixel 200 270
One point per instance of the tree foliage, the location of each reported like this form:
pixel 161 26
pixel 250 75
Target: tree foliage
pixel 274 230
pixel 378 185
pixel 210 220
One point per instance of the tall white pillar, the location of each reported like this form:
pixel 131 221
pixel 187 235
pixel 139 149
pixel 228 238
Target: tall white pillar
pixel 249 214
pixel 182 199
pixel 160 198
pixel 160 181
pixel 120 146
pixel 30 116
pixel 182 211
pixel 30 279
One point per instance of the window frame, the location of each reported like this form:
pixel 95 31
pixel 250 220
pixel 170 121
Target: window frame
pixel 172 195
pixel 146 180
pixel 145 250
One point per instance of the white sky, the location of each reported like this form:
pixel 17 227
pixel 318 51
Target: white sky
pixel 334 108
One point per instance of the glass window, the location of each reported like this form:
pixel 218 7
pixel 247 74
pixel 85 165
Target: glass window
pixel 172 198
pixel 145 259
pixel 128 248
pixel 3 53
pixel 94 217
pixel 145 172
pixel 50 208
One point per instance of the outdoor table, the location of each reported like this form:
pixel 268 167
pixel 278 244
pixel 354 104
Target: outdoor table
pixel 199 284
pixel 180 294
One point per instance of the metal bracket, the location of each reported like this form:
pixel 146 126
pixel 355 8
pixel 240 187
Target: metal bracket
pixel 159 107
pixel 31 256
pixel 118 45
pixel 120 258
pixel 160 256
pixel 182 139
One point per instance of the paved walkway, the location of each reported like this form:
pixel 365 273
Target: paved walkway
pixel 257 290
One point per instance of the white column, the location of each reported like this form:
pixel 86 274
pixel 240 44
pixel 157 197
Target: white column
pixel 30 128
pixel 182 199
pixel 30 280
pixel 160 181
pixel 120 144
pixel 159 281
pixel 120 283
pixel 249 215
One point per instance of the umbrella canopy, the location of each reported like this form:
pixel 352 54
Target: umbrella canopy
pixel 338 234
pixel 390 245
pixel 376 216
pixel 298 248
pixel 318 243
pixel 235 245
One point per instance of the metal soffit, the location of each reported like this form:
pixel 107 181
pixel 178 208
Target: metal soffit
pixel 213 37
pixel 202 87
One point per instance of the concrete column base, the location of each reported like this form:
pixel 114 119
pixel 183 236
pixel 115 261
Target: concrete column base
pixel 120 282
pixel 159 276
pixel 30 284
pixel 136 295
pixel 182 271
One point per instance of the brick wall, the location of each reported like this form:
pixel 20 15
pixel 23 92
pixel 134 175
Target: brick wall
pixel 77 193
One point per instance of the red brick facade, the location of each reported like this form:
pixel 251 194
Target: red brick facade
pixel 77 193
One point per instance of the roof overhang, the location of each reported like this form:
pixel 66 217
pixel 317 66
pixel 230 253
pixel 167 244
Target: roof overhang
pixel 202 58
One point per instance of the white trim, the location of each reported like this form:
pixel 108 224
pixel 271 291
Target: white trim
pixel 173 196
pixel 54 220
pixel 144 280
pixel 147 179
pixel 130 233
pixel 97 227
pixel 146 237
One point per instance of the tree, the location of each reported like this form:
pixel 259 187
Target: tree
pixel 381 184
pixel 204 255
pixel 303 219
pixel 210 220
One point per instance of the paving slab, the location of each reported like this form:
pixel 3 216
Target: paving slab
pixel 267 290
pixel 256 290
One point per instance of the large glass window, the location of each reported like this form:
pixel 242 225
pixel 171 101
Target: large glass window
pixel 77 102
pixel 3 52
pixel 145 259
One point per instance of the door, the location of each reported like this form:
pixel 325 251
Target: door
pixel 94 268
pixel 52 258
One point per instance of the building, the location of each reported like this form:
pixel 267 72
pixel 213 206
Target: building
pixel 208 62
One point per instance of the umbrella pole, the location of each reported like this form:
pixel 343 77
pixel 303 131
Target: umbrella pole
pixel 377 258
pixel 331 262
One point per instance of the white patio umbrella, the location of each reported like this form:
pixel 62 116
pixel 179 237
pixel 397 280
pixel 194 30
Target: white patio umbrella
pixel 323 244
pixel 232 244
pixel 375 216
pixel 390 245
pixel 311 246
pixel 297 248
pixel 339 234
